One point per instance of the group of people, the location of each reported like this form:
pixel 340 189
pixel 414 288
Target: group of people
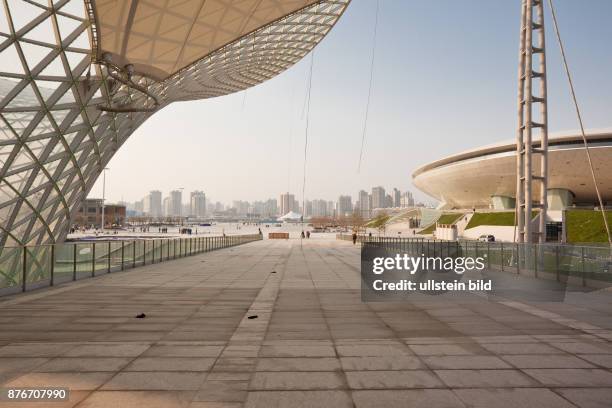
pixel 306 235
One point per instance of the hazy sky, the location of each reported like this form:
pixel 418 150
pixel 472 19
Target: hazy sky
pixel 444 81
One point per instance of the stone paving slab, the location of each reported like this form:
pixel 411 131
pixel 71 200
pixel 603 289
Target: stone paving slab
pixel 313 343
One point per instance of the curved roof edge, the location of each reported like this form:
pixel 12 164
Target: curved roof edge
pixel 508 146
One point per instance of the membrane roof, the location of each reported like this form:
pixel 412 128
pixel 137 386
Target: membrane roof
pixel 160 37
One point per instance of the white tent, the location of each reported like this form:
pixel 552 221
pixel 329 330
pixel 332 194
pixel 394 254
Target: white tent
pixel 291 216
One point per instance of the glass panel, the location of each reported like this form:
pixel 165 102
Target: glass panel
pixel 128 254
pixel 494 255
pixel 158 250
pixel 10 269
pixel 38 266
pixel 597 263
pixel 64 263
pixel 101 257
pixel 149 251
pixel 84 257
pixel 116 252
pixel 139 252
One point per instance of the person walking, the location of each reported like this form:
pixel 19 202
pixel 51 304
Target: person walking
pixel 354 237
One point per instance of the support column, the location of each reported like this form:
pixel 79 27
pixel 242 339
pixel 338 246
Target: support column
pixel 525 146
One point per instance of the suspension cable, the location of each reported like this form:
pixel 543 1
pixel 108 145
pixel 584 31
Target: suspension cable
pixel 579 115
pixel 367 111
pixel 306 141
pixel 291 126
pixel 244 96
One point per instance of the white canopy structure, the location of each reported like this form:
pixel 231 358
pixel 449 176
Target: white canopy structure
pixel 291 216
pixel 78 77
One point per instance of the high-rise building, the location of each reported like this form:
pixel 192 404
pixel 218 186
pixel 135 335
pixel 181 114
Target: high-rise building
pixel 364 204
pixel 241 207
pixel 319 208
pixel 388 201
pixel 146 205
pixel 397 198
pixel 256 208
pixel 308 208
pixel 152 204
pixel 345 205
pixel 288 203
pixel 167 207
pixel 296 206
pixel 197 204
pixel 266 209
pixel 270 208
pixel 139 206
pixel 378 197
pixel 176 202
pixel 331 209
pixel 407 200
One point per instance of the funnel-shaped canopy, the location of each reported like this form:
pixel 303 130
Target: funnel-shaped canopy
pixel 159 37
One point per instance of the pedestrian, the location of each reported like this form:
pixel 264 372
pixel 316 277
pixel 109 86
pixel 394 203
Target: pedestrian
pixel 308 234
pixel 354 237
pixel 303 236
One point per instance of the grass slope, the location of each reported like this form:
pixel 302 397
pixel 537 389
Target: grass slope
pixel 449 219
pixel 503 219
pixel 429 230
pixel 586 226
pixel 378 221
pixel 446 219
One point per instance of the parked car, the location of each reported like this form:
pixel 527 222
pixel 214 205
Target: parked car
pixel 486 238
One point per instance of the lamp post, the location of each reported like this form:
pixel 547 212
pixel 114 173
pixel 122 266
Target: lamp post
pixel 103 194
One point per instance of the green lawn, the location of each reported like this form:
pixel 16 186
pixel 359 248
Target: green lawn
pixel 428 230
pixel 378 221
pixel 586 226
pixel 504 219
pixel 447 219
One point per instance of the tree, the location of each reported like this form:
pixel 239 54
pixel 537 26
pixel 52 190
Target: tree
pixel 356 220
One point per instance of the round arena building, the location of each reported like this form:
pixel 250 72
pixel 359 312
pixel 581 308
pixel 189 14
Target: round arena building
pixel 486 177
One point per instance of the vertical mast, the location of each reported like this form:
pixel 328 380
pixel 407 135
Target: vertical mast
pixel 530 128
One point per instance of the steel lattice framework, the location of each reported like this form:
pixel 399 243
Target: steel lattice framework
pixel 532 53
pixel 65 108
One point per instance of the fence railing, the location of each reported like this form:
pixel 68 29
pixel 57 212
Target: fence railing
pixel 578 265
pixel 26 268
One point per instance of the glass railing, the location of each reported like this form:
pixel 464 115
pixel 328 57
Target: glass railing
pixel 32 267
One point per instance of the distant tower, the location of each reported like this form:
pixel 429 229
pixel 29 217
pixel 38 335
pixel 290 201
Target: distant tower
pixel 531 126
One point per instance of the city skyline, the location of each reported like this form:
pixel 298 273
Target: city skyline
pixel 254 140
pixel 198 205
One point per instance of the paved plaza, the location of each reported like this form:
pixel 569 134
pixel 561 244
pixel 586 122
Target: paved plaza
pixel 313 342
